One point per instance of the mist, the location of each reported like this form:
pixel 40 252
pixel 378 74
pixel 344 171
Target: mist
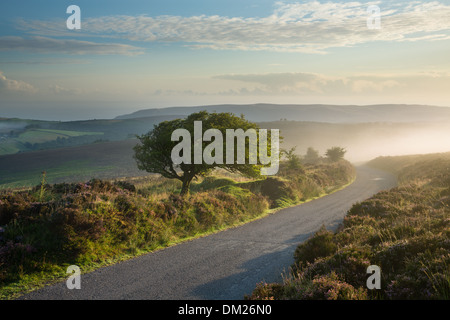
pixel 419 141
pixel 365 141
pixel 7 126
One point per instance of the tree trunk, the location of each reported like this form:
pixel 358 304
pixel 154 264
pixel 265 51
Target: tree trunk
pixel 185 186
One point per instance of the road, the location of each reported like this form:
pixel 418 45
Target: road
pixel 226 265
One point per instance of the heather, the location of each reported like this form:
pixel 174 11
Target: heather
pixel 95 223
pixel 405 231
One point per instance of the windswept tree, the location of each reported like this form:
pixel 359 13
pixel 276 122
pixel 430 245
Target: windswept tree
pixel 335 153
pixel 156 150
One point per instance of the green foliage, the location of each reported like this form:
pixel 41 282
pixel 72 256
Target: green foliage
pixel 320 245
pixel 293 162
pixel 43 183
pixel 236 191
pixel 154 152
pixel 335 153
pixel 211 182
pixel 310 181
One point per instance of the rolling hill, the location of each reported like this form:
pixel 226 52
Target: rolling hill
pixel 19 135
pixel 316 113
pixel 79 150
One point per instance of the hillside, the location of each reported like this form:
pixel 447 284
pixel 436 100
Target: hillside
pixel 404 231
pixel 104 160
pixel 97 222
pixel 114 159
pixel 315 113
pixel 75 150
pixel 366 131
pixel 21 135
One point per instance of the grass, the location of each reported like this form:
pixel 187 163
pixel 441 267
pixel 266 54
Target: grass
pixel 404 231
pixel 30 177
pixel 9 148
pixel 37 136
pixel 106 160
pixel 44 135
pixel 97 223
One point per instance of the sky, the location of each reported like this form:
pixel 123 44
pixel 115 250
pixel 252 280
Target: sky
pixel 133 55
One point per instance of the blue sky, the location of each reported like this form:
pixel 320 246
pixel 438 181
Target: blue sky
pixel 131 55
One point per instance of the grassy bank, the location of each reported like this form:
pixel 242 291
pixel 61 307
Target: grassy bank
pixel 97 223
pixel 405 231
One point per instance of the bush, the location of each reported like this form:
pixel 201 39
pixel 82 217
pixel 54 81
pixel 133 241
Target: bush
pixel 321 244
pixel 210 183
pixel 324 287
pixel 330 287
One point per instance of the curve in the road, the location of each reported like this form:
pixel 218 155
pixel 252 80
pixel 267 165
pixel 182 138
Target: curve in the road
pixel 225 265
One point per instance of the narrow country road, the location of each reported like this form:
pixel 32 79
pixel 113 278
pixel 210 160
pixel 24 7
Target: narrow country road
pixel 226 265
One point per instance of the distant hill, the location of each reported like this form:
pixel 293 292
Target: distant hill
pixel 21 135
pixel 79 150
pixel 315 113
pixel 114 159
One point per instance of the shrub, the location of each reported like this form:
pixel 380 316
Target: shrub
pixel 211 182
pixel 321 244
pixel 266 291
pixel 330 287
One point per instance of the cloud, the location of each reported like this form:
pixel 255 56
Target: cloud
pixel 57 89
pixel 39 44
pixel 283 83
pixel 15 85
pixel 315 85
pixel 311 27
pixel 361 85
pixel 321 85
pixel 46 61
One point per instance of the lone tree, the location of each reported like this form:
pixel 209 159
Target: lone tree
pixel 335 153
pixel 154 153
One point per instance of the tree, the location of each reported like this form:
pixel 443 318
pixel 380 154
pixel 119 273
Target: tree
pixel 335 153
pixel 293 160
pixel 154 154
pixel 312 155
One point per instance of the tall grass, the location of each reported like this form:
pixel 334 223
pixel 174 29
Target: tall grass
pixel 47 228
pixel 405 231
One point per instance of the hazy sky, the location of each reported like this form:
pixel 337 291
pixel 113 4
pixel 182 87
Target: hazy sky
pixel 132 55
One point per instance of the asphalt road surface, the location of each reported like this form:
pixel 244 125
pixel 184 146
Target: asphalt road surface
pixel 225 265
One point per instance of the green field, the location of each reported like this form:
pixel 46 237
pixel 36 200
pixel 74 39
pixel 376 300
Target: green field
pixel 25 140
pixel 44 135
pixel 105 160
pixel 9 148
pixel 69 170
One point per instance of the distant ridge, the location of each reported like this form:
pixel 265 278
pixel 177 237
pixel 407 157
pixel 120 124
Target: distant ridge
pixel 316 113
